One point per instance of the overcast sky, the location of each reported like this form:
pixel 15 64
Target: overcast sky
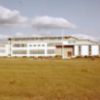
pixel 80 18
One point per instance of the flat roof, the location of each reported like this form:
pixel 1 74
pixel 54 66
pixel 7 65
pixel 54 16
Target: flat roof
pixel 52 37
pixel 67 37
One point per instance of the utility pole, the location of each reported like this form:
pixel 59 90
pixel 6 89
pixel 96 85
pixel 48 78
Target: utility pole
pixel 62 44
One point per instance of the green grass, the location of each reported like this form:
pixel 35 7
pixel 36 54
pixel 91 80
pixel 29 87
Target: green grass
pixel 28 79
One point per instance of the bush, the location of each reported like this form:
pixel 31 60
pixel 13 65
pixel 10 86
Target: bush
pixel 41 57
pixel 92 58
pixel 24 56
pixel 15 57
pixel 79 57
pixel 96 56
pixel 3 56
pixel 58 56
pixel 86 56
pixel 32 57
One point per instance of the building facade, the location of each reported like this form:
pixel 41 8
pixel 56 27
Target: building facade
pixel 4 49
pixel 66 47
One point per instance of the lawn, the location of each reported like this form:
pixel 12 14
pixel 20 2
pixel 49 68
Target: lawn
pixel 28 79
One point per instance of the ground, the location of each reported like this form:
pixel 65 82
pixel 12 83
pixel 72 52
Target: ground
pixel 28 79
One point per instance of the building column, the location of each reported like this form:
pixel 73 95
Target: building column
pixel 9 53
pixel 99 50
pixel 79 50
pixel 28 53
pixel 45 49
pixel 73 50
pixel 89 50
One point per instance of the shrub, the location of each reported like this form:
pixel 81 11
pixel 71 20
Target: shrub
pixel 15 57
pixel 31 57
pixel 92 58
pixel 24 56
pixel 79 57
pixel 86 56
pixel 96 56
pixel 41 57
pixel 58 56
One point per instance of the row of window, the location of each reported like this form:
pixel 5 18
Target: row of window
pixel 2 51
pixel 25 45
pixel 50 51
pixel 2 45
pixel 37 52
pixel 33 51
pixel 36 45
pixel 40 45
pixel 71 41
pixel 19 45
pixel 53 38
pixel 33 45
pixel 19 52
pixel 50 44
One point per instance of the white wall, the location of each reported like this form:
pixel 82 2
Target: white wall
pixel 6 49
pixel 28 48
pixel 65 42
pixel 84 50
pixel 76 50
pixel 95 50
pixel 84 42
pixel 84 47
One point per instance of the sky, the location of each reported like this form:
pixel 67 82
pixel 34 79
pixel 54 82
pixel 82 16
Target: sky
pixel 31 18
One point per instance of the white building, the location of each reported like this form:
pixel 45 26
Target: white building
pixel 4 49
pixel 52 46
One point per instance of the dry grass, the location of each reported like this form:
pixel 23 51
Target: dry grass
pixel 27 79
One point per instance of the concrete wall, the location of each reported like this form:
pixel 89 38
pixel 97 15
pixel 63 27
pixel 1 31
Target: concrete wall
pixel 58 51
pixel 95 50
pixel 85 42
pixel 66 50
pixel 85 50
pixel 76 50
pixel 5 49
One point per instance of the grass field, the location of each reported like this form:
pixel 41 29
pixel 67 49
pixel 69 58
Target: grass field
pixel 28 79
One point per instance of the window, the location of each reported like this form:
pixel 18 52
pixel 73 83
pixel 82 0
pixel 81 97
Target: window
pixel 2 51
pixel 19 52
pixel 59 38
pixel 50 44
pixel 23 45
pixel 19 45
pixel 16 45
pixel 69 41
pixel 30 45
pixel 73 41
pixel 39 45
pixel 43 45
pixel 58 43
pixel 2 45
pixel 16 39
pixel 34 45
pixel 50 51
pixel 37 52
